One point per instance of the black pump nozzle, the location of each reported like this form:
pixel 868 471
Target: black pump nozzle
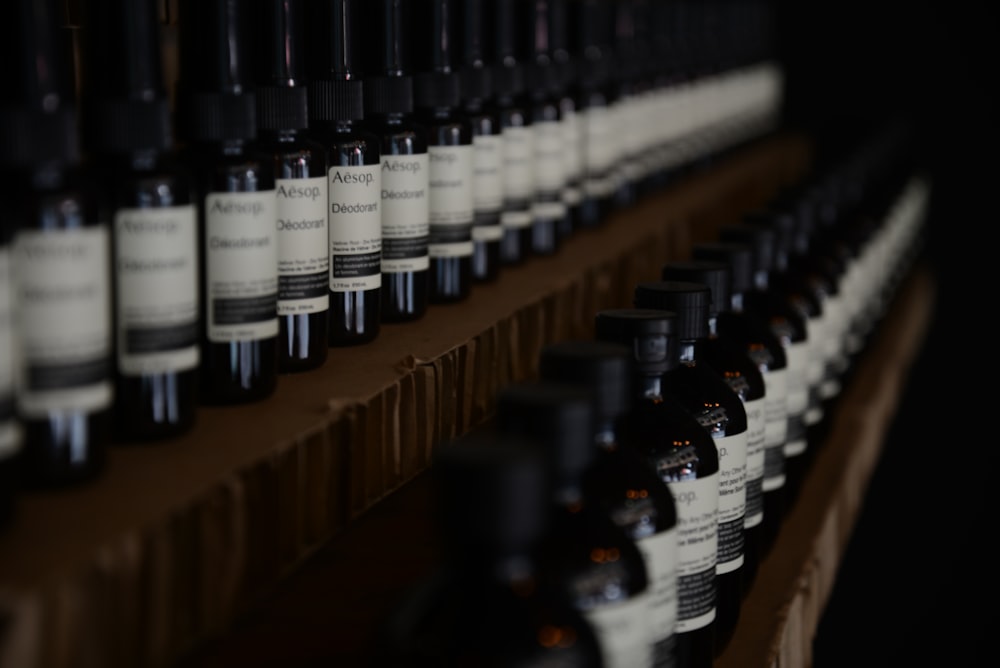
pixel 387 59
pixel 336 90
pixel 281 93
pixel 215 93
pixel 38 121
pixel 437 82
pixel 125 106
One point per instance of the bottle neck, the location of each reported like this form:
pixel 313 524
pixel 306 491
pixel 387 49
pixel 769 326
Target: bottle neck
pixel 650 387
pixel 736 303
pixel 606 434
pixel 689 350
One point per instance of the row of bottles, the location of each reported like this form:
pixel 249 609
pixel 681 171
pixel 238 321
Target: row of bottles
pixel 659 449
pixel 317 170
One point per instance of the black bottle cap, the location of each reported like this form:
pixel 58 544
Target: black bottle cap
pixel 215 94
pixel 336 91
pixel 38 122
pixel 475 63
pixel 558 416
pixel 281 92
pixel 436 82
pixel 387 59
pixel 739 257
pixel 602 366
pixel 713 273
pixel 649 333
pixel 508 43
pixel 125 105
pixel 760 239
pixel 690 301
pixel 491 492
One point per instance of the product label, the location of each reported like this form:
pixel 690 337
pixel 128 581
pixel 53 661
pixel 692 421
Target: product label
pixel 487 172
pixel 516 219
pixel 572 162
pixel 63 304
pixel 756 438
pixel 10 435
pixel 303 264
pixel 241 261
pixel 157 260
pixel 518 163
pixel 798 394
pixel 623 632
pixel 598 151
pixel 659 551
pixel 697 504
pixel 550 168
pixel 732 500
pixel 451 200
pixel 405 213
pixel 355 227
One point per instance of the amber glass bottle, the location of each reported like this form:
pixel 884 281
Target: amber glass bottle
pixel 685 457
pixel 234 182
pixel 487 602
pixel 586 554
pixel 703 391
pixel 622 480
pixel 149 200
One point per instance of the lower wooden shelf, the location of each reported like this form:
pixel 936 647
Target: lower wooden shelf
pixel 325 613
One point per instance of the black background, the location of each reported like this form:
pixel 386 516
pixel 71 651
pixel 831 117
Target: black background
pixel 918 584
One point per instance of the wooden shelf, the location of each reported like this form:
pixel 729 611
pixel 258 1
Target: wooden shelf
pixel 177 540
pixel 325 613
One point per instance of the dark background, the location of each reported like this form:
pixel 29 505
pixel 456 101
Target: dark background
pixel 918 583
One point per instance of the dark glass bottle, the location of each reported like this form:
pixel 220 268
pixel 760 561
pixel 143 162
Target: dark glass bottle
pixel 685 457
pixel 11 440
pixel 515 129
pixel 487 140
pixel 753 333
pixel 591 40
pixel 565 63
pixel 789 326
pixel 354 176
pixel 149 200
pixel 727 356
pixel 701 389
pixel 300 171
pixel 585 554
pixel 437 97
pixel 234 182
pixel 621 480
pixel 487 603
pixel 786 286
pixel 549 220
pixel 388 110
pixel 61 257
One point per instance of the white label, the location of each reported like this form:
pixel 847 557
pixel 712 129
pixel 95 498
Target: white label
pixel 550 170
pixel 516 219
pixel 156 253
pixel 405 213
pixel 355 227
pixel 623 632
pixel 732 500
pixel 487 232
pixel 697 503
pixel 241 260
pixel 660 554
pixel 10 435
pixel 572 162
pixel 487 172
pixel 776 406
pixel 756 439
pixel 303 264
pixel 518 163
pixel 798 389
pixel 451 200
pixel 63 304
pixel 598 139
